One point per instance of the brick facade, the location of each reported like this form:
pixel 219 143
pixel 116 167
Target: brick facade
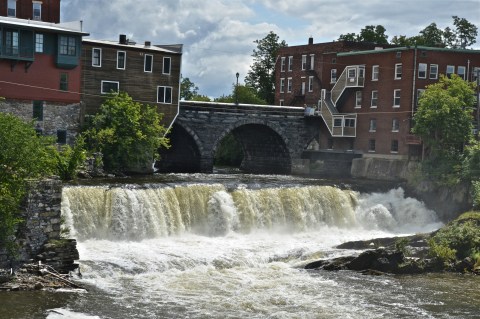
pixel 45 10
pixel 382 126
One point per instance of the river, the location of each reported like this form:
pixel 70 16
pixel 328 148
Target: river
pixel 233 246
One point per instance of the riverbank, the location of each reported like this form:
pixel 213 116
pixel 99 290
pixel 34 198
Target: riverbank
pixel 454 248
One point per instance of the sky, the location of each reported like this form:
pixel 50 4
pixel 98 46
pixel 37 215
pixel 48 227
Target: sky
pixel 218 35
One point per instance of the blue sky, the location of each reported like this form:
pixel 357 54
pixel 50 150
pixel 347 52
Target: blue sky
pixel 218 35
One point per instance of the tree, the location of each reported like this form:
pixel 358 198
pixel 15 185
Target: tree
pixel 24 156
pixel 188 89
pixel 261 76
pixel 127 133
pixel 431 36
pixel 370 33
pixel 242 94
pixel 466 32
pixel 444 122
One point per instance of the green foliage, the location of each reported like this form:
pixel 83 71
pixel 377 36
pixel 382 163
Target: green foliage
pixel 127 133
pixel 444 122
pixel 199 97
pixel 465 33
pixel 457 240
pixel 476 194
pixel 401 245
pixel 24 156
pixel 370 33
pixel 188 89
pixel 242 94
pixel 70 159
pixel 261 76
pixel 229 152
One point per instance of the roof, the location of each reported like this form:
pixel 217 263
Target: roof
pixel 423 48
pixel 68 27
pixel 172 48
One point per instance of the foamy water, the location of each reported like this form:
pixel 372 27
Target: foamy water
pixel 205 251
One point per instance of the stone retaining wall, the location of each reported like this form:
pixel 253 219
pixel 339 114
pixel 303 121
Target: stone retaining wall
pixel 41 214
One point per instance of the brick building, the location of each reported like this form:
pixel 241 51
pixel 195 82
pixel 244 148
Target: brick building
pixel 366 96
pixel 38 10
pixel 40 74
pixel 150 74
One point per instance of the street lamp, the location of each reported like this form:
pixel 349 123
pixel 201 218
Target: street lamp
pixel 236 89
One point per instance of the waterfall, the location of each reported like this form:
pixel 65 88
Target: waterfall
pixel 135 213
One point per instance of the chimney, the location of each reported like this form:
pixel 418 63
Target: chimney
pixel 148 43
pixel 310 40
pixel 123 39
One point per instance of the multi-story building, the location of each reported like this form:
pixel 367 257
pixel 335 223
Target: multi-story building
pixel 150 74
pixel 366 98
pixel 38 10
pixel 40 74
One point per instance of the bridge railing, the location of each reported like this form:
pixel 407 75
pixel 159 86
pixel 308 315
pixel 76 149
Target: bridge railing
pixel 242 108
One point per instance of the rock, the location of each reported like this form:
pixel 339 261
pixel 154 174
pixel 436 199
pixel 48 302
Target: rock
pixel 38 286
pixel 379 259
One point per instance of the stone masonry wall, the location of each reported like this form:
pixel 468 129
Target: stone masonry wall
pixel 41 214
pixel 56 116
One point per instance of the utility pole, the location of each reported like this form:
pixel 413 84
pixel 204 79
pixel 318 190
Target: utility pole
pixel 236 89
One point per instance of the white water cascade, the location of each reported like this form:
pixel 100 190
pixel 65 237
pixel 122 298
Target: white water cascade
pixel 211 251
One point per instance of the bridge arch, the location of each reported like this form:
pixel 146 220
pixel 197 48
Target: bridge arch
pixel 264 148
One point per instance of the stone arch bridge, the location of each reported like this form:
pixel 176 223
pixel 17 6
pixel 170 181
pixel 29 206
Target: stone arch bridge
pixel 273 138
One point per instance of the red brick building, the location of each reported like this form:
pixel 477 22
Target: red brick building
pixel 38 10
pixel 40 74
pixel 365 96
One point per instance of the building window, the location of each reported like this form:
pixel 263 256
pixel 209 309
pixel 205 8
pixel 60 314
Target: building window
pixel 396 98
pixel 289 85
pixel 282 102
pixel 422 70
pixel 304 62
pixel 68 45
pixel 371 145
pixel 351 74
pixel 450 70
pixel 358 99
pixel 37 11
pixel 394 147
pixel 164 94
pixel 121 60
pixel 11 42
pixel 62 136
pixel 12 8
pixel 476 75
pixel 38 110
pixel 334 60
pixel 282 85
pixel 461 72
pixel 373 125
pixel 419 94
pixel 395 125
pixel 110 87
pixel 399 54
pixel 148 63
pixel 433 71
pixel 312 61
pixel 333 75
pixel 167 65
pixel 330 143
pixel 398 71
pixel 374 100
pixel 282 64
pixel 63 81
pixel 310 84
pixel 290 63
pixel 97 57
pixel 39 43
pixel 349 122
pixel 337 122
pixel 375 71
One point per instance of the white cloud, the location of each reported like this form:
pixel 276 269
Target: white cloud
pixel 218 35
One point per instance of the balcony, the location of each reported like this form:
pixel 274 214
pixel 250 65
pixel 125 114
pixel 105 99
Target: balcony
pixel 338 124
pixel 23 53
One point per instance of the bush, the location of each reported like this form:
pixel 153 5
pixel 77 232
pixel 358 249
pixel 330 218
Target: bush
pixel 70 159
pixel 459 239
